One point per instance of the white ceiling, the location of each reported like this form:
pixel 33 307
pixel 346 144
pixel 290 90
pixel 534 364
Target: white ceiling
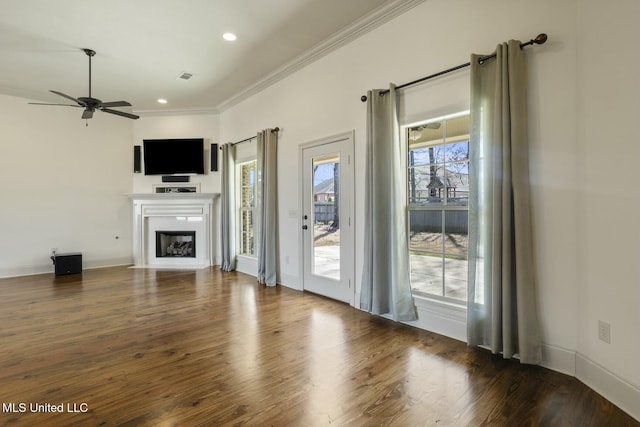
pixel 143 45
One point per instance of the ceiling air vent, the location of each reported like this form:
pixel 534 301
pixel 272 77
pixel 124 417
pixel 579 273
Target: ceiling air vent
pixel 184 76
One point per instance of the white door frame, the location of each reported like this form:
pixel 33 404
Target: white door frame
pixel 348 270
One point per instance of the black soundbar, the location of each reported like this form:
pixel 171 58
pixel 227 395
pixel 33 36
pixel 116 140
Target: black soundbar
pixel 175 178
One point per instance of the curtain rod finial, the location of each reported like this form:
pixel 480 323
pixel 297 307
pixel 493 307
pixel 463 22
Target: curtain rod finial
pixel 540 38
pixel 363 98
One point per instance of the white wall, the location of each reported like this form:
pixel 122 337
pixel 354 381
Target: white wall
pixel 572 135
pixel 178 126
pixel 608 149
pixel 63 186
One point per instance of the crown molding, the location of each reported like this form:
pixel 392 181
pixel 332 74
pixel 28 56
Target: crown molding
pixel 367 23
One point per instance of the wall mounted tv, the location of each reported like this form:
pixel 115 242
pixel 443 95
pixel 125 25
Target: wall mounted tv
pixel 173 156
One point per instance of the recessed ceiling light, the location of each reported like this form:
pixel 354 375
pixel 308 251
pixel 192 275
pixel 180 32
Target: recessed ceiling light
pixel 162 101
pixel 229 36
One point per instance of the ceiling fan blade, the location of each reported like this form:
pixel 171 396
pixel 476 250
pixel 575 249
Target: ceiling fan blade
pixel 116 104
pixel 120 113
pixel 87 114
pixel 65 96
pixel 63 105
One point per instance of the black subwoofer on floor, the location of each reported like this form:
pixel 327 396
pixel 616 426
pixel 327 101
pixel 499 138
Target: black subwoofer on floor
pixel 67 263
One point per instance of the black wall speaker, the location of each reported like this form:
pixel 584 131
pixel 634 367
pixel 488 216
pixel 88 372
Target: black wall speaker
pixel 214 157
pixel 175 178
pixel 137 166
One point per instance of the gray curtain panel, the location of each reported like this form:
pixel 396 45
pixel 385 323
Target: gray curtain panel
pixel 227 209
pixel 267 206
pixel 502 311
pixel 386 286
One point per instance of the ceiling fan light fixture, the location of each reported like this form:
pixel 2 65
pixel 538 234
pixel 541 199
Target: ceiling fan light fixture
pixel 415 135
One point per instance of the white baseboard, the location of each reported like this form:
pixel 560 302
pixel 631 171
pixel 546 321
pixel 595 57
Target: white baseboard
pixel 624 395
pixel 25 271
pixel 247 265
pixel 49 268
pixel 442 318
pixel 289 281
pixel 559 359
pixel 103 263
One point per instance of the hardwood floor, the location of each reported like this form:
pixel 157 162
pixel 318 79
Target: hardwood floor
pixel 142 347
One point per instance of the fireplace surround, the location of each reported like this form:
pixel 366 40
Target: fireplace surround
pixel 173 230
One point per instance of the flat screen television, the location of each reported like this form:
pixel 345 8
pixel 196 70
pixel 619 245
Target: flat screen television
pixel 173 156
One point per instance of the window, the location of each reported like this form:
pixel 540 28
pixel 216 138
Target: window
pixel 438 206
pixel 246 207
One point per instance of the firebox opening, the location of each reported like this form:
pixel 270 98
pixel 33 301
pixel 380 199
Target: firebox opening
pixel 181 244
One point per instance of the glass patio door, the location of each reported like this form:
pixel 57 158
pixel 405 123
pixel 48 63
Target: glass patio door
pixel 326 226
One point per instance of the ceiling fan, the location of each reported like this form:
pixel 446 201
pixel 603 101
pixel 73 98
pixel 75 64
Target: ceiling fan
pixel 91 104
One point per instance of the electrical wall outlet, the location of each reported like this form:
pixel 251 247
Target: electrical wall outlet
pixel 604 331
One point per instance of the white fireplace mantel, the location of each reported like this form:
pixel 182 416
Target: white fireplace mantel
pixel 192 211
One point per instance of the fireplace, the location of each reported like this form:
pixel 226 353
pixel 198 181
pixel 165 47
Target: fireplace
pixel 179 244
pixel 185 220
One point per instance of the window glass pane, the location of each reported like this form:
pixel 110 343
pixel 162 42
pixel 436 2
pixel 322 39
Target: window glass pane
pixel 426 273
pixel 457 172
pixel 425 231
pixel 425 155
pixel 456 230
pixel 246 232
pixel 456 247
pixel 426 135
pixel 326 216
pixel 418 156
pixel 457 129
pixel 457 151
pixel 247 184
pixel 426 185
pixel 457 184
pixel 455 278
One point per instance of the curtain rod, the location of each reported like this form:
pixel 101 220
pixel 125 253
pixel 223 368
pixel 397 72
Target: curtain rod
pixel 540 39
pixel 275 129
